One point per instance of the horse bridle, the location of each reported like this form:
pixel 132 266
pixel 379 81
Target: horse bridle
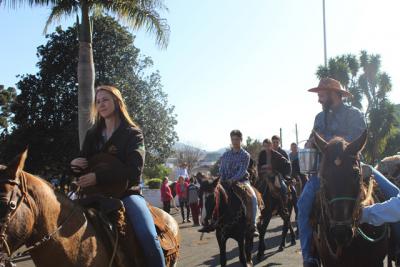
pixel 326 203
pixel 13 203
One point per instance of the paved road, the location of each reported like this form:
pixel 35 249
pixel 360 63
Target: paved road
pixel 205 252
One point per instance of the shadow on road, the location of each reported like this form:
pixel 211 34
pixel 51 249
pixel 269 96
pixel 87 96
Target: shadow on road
pixel 270 243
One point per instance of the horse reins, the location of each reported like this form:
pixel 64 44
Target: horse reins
pixel 13 206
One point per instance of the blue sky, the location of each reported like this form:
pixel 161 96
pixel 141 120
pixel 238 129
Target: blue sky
pixel 237 64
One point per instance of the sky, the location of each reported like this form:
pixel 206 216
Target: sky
pixel 234 64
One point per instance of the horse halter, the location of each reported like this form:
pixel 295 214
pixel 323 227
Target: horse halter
pixel 327 202
pixel 13 203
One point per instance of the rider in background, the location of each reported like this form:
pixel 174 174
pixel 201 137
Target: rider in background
pixel 116 133
pixel 294 162
pixel 233 169
pixel 268 158
pixel 276 145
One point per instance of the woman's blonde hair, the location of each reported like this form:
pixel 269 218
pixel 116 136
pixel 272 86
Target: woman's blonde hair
pixel 120 107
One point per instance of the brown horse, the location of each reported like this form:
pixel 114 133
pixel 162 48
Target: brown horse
pixel 56 231
pixel 231 222
pixel 337 235
pixel 274 203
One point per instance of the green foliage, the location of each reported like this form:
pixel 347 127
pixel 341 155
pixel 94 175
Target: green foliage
pixel 363 77
pixel 144 14
pixel 154 183
pixel 159 171
pixel 254 147
pixel 46 109
pixel 7 97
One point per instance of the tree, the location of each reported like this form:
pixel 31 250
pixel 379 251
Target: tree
pixel 7 96
pixel 157 171
pixel 365 80
pixel 254 147
pixel 189 155
pixel 137 14
pixel 46 117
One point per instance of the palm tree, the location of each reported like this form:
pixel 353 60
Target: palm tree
pixel 135 13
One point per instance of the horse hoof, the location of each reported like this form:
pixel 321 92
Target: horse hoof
pixel 280 248
pixel 293 242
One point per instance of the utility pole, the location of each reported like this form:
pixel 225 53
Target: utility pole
pixel 297 134
pixel 324 23
pixel 280 135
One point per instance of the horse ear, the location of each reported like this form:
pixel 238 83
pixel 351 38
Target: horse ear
pixel 18 163
pixel 357 145
pixel 319 142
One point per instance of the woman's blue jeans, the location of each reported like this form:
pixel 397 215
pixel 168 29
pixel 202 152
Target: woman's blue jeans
pixel 143 225
pixel 306 202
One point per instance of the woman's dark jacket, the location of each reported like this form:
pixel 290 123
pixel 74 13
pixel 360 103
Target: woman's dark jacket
pixel 278 162
pixel 127 144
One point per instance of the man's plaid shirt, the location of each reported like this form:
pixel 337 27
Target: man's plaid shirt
pixel 234 164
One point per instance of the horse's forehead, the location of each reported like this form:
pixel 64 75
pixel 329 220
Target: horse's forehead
pixel 336 149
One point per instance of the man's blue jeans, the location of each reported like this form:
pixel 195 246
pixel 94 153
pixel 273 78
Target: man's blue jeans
pixel 305 205
pixel 145 230
pixel 306 201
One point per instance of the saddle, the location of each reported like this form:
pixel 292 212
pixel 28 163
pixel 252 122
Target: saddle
pixel 167 238
pixel 107 215
pixel 242 192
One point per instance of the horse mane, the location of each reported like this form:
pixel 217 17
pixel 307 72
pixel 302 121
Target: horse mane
pixel 219 189
pixel 367 193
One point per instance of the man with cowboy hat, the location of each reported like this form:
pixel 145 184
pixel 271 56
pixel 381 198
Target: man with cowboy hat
pixel 335 119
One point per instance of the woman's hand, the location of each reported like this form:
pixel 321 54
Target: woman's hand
pixel 79 164
pixel 87 180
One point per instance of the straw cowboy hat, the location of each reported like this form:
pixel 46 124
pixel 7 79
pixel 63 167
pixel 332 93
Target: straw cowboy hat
pixel 329 84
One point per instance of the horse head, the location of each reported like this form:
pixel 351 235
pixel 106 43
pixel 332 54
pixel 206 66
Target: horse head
pixel 207 188
pixel 15 206
pixel 341 185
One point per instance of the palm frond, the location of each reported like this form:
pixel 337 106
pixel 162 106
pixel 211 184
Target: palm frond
pixel 141 14
pixel 62 8
pixel 17 4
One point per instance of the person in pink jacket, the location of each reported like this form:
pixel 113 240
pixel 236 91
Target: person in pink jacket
pixel 166 195
pixel 182 193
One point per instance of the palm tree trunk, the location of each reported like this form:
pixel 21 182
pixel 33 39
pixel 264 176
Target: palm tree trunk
pixel 86 73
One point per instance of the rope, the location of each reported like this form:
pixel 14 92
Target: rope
pixel 370 239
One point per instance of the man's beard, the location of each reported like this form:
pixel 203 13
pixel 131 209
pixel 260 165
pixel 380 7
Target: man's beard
pixel 327 105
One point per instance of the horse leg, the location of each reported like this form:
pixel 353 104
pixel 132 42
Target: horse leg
pixel 222 248
pixel 286 226
pixel 249 249
pixel 292 233
pixel 262 229
pixel 242 255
